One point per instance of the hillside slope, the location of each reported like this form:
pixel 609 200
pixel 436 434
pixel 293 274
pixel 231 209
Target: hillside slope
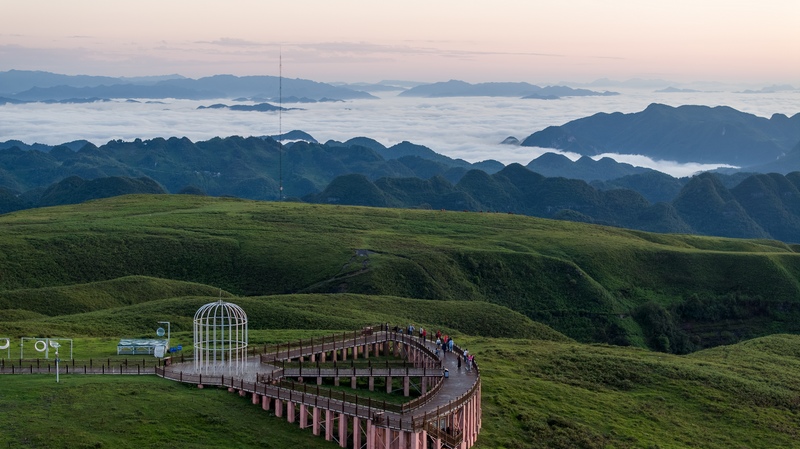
pixel 590 282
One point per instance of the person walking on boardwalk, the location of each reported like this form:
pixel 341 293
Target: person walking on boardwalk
pixel 450 345
pixel 459 363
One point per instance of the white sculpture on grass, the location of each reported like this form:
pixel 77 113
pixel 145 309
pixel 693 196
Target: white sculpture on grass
pixel 220 339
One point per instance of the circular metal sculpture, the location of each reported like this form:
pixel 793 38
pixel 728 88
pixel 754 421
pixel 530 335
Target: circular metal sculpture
pixel 220 338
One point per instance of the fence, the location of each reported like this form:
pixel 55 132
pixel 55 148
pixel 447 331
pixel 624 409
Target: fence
pixel 92 366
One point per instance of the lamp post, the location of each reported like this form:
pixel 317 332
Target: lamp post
pixel 56 345
pixel 168 331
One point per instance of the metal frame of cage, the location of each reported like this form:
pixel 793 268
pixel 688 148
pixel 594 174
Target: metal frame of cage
pixel 220 338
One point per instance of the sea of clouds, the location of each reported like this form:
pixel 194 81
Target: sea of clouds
pixel 466 128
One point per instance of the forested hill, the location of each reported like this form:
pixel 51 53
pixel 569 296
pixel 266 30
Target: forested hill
pixel 234 166
pixel 361 171
pixel 760 206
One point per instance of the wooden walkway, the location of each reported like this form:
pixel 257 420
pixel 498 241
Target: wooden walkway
pixel 447 414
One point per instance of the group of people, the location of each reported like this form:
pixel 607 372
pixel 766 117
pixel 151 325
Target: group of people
pixel 444 344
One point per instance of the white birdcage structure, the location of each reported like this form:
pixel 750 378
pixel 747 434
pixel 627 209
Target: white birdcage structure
pixel 220 339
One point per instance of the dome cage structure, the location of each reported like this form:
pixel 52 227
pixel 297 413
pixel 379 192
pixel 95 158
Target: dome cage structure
pixel 220 339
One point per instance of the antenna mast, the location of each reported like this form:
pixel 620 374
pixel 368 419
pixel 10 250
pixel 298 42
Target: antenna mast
pixel 280 124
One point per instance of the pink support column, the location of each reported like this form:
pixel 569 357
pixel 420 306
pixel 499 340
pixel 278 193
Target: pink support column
pixel 387 437
pixel 255 398
pixel 370 435
pixel 290 411
pixel 322 357
pixel 471 434
pixel 336 381
pixel 328 425
pixel 319 380
pixel 315 421
pixel 388 384
pixel 371 383
pixel 344 354
pixel 424 385
pixel 401 439
pixel 406 386
pixel 356 432
pixel 353 382
pixel 480 407
pixel 279 408
pixel 342 430
pixel 365 352
pixel 423 436
pixel 303 416
pixel 356 348
pixel 414 437
pixel 265 402
pixel 313 358
pixel 437 443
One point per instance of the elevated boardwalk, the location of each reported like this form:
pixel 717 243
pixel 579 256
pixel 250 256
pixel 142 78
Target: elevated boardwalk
pixel 446 414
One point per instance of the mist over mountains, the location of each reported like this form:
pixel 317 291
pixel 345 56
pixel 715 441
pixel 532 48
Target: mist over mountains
pixel 362 171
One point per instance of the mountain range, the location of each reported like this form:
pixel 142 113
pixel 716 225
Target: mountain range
pixel 456 88
pixel 19 85
pixel 684 134
pixel 363 172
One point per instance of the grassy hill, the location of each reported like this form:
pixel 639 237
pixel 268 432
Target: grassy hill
pixel 592 283
pixel 113 268
pixel 543 390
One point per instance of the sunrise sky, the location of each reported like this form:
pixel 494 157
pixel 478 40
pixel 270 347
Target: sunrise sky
pixel 430 40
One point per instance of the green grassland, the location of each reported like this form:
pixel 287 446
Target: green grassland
pixel 591 283
pixel 536 300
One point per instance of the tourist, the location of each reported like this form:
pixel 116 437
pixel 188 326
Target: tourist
pixel 424 334
pixel 450 345
pixel 459 362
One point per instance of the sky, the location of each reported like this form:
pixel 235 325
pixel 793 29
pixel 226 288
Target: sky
pixel 541 41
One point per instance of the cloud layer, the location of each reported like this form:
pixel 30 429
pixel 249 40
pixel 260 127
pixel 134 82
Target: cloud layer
pixel 466 128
